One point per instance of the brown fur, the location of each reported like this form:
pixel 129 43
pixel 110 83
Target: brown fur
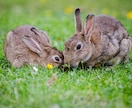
pixel 103 40
pixel 29 45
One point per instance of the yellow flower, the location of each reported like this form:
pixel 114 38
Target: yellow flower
pixel 69 10
pixel 48 13
pixel 49 66
pixel 105 11
pixel 129 15
pixel 42 1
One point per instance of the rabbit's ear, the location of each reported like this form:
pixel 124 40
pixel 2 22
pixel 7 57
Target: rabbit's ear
pixel 43 35
pixel 32 45
pixel 35 30
pixel 78 22
pixel 89 24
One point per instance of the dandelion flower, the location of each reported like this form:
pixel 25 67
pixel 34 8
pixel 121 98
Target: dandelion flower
pixel 69 10
pixel 49 66
pixel 129 15
pixel 42 1
pixel 105 11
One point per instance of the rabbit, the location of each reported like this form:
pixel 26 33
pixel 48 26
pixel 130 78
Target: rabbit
pixel 29 45
pixel 102 40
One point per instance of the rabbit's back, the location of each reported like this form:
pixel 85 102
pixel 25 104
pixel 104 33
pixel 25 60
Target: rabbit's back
pixel 114 38
pixel 14 46
pixel 110 26
pixel 25 29
pixel 15 49
pixel 14 37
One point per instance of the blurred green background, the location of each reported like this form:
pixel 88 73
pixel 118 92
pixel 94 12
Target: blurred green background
pixel 56 15
pixel 39 6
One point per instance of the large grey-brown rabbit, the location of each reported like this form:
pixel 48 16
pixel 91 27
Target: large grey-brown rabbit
pixel 103 39
pixel 29 45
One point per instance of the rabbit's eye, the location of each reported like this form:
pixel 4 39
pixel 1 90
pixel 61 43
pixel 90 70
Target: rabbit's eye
pixel 57 59
pixel 78 46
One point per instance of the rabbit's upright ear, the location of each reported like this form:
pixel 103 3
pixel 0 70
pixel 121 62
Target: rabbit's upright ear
pixel 78 22
pixel 89 24
pixel 32 45
pixel 94 37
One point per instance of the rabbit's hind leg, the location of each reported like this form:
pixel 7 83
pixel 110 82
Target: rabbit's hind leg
pixel 19 61
pixel 122 56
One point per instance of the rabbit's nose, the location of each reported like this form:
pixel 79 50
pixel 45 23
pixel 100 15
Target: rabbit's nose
pixel 66 60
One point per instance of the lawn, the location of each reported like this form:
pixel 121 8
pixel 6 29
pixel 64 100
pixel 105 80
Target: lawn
pixel 52 88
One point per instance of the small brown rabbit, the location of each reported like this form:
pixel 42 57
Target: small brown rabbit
pixel 29 45
pixel 102 40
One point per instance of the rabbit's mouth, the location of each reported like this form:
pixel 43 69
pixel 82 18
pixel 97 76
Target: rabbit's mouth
pixel 72 64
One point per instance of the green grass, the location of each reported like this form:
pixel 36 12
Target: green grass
pixel 91 88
